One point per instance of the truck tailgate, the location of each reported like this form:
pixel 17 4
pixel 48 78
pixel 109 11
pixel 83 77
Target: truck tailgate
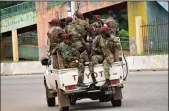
pixel 70 76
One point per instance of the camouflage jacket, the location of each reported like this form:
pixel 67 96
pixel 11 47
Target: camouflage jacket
pixel 103 46
pixel 54 36
pixel 110 22
pixel 82 26
pixel 68 52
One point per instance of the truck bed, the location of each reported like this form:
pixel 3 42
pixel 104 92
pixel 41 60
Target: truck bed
pixel 69 77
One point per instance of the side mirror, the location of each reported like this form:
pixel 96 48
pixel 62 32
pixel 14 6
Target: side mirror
pixel 44 61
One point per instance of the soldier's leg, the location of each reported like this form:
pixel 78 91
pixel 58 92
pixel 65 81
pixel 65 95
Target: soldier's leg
pixel 81 68
pixel 91 70
pixel 54 62
pixel 106 66
pixel 97 59
pixel 116 54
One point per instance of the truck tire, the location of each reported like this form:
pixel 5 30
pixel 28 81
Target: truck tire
pixel 63 101
pixel 50 101
pixel 116 103
pixel 64 108
pixel 72 100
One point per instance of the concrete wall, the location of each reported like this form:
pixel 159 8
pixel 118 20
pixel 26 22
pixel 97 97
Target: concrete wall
pixel 142 63
pixel 155 10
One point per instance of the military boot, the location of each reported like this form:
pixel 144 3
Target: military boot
pixel 81 85
pixel 93 78
pixel 107 83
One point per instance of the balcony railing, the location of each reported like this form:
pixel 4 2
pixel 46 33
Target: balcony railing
pixel 17 9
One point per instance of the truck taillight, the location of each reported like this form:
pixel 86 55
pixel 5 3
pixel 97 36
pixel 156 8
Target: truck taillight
pixel 115 81
pixel 71 87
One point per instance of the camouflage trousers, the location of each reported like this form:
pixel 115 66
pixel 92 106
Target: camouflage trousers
pixel 81 69
pixel 54 61
pixel 97 59
pixel 107 64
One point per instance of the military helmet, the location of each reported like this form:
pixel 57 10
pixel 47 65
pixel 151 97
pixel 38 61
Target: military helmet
pixel 53 21
pixel 105 29
pixel 65 36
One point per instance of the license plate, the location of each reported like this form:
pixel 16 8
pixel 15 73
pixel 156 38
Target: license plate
pixel 108 92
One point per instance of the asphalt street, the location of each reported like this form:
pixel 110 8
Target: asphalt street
pixel 143 91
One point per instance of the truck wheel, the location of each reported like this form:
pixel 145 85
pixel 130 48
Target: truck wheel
pixel 50 101
pixel 72 100
pixel 116 103
pixel 64 108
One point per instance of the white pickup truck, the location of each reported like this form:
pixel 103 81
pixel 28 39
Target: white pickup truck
pixel 65 81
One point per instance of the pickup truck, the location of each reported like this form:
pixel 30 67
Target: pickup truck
pixel 62 83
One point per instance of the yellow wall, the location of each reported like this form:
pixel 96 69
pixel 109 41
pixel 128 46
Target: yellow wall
pixel 135 9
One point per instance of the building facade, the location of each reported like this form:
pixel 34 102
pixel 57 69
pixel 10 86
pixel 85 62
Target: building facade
pixel 29 22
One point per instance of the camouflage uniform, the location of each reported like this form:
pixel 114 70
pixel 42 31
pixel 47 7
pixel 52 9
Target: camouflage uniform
pixel 75 37
pixel 68 53
pixel 82 28
pixel 106 44
pixel 54 39
pixel 96 26
pixel 113 25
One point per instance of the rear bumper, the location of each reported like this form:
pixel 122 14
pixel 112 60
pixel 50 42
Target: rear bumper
pixel 77 91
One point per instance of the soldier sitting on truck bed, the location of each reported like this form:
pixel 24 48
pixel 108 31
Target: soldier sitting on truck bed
pixel 104 43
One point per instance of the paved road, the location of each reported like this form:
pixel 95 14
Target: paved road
pixel 143 91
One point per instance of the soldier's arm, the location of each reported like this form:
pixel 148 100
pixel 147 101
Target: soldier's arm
pixel 48 45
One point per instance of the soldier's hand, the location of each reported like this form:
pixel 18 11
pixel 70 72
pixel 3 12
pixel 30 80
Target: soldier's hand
pixel 54 50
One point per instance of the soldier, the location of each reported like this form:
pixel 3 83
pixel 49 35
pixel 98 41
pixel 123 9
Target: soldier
pixel 65 49
pixel 105 44
pixel 54 39
pixel 96 24
pixel 112 24
pixel 83 28
pixel 74 35
pixel 97 54
pixel 113 28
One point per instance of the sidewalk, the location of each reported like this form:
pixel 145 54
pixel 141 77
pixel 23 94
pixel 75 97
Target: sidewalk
pixel 135 63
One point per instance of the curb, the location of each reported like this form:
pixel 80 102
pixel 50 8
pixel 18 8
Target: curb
pixel 21 74
pixel 140 70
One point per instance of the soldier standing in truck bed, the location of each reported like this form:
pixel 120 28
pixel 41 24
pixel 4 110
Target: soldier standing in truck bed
pixel 113 27
pixel 54 39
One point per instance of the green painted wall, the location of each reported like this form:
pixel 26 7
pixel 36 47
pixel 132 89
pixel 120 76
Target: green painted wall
pixel 29 52
pixel 18 21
